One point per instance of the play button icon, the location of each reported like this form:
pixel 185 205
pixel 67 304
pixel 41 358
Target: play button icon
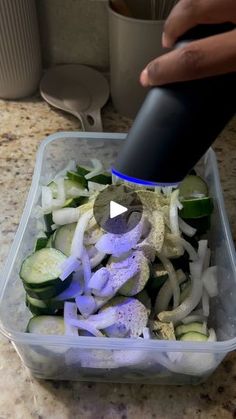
pixel 117 209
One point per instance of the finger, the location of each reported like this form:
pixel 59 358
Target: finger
pixel 189 13
pixel 207 57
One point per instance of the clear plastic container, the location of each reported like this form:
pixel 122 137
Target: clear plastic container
pixel 109 359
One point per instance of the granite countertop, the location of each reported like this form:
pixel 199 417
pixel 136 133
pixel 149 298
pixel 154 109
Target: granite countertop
pixel 23 126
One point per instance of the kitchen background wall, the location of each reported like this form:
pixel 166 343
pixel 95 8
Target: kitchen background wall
pixel 74 31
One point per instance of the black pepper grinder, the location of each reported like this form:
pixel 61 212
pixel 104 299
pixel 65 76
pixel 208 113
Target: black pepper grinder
pixel 177 123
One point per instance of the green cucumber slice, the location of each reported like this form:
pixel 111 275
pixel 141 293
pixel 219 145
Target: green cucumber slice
pixel 42 268
pixel 41 243
pixel 77 179
pixel 46 325
pixel 194 337
pixel 48 223
pixel 196 208
pixel 63 238
pixel 103 179
pixel 187 328
pixel 39 307
pixel 193 187
pixel 46 293
pixel 75 202
pixel 82 170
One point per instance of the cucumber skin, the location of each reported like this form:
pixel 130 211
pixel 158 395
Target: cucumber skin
pixel 41 243
pixel 27 330
pixel 203 210
pixel 38 311
pixel 50 282
pixel 48 223
pixel 46 293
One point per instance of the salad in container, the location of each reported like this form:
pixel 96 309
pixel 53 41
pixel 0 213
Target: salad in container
pixel 141 306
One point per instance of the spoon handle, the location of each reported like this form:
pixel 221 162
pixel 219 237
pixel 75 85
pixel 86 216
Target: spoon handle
pixel 91 121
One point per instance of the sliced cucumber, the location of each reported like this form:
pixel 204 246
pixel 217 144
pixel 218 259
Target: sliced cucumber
pixel 63 238
pixel 82 170
pixel 46 325
pixel 202 224
pixel 73 188
pixel 46 293
pixel 41 243
pixel 187 328
pixel 194 337
pixel 42 268
pixel 193 187
pixel 78 179
pixel 39 307
pixel 102 179
pixel 75 202
pixel 48 222
pixel 196 208
pixel 74 289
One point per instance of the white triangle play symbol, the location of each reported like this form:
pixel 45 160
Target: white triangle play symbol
pixel 116 209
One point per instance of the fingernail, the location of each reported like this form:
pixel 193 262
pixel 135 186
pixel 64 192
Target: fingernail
pixel 144 78
pixel 165 42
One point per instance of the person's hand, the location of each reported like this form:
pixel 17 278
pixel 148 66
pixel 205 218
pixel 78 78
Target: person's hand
pixel 198 59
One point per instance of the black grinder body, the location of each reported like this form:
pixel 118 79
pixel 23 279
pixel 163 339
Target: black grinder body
pixel 177 123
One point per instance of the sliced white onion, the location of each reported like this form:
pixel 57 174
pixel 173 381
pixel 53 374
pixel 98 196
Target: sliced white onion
pixel 193 256
pixel 207 259
pixel 70 265
pixel 71 166
pixel 86 304
pixel 172 277
pixel 86 269
pixel 205 303
pixel 186 228
pixel 70 312
pixel 209 279
pixel 99 279
pixel 185 308
pixel 146 333
pixel 97 169
pixel 85 325
pixel 202 247
pixel 193 318
pixel 174 220
pixel 78 238
pixel 97 259
pixel 65 216
pixel 102 319
pixel 47 199
pixel 212 336
pixel 166 292
pixel 61 195
pixel 117 244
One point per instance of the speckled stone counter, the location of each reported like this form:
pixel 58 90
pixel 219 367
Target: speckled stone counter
pixel 22 128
